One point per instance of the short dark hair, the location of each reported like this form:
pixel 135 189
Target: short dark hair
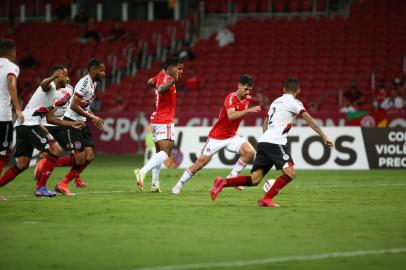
pixel 6 46
pixel 55 68
pixel 246 79
pixel 173 61
pixel 292 85
pixel 94 63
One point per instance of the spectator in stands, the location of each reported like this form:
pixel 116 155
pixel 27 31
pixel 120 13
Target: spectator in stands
pixel 186 53
pixel 381 94
pixel 90 34
pixel 353 97
pixel 393 103
pixel 27 61
pixel 120 104
pixel 81 17
pixel 193 81
pixel 225 37
pixel 118 33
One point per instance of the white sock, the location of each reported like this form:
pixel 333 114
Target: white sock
pixel 155 160
pixel 155 174
pixel 238 167
pixel 186 176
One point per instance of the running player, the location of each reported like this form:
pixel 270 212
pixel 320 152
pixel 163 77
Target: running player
pixel 8 93
pixel 162 121
pixel 224 133
pixel 31 134
pixel 81 141
pixel 272 148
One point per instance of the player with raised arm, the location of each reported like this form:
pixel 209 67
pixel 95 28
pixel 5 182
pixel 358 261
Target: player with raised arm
pixel 81 141
pixel 8 94
pixel 31 134
pixel 162 121
pixel 224 133
pixel 272 148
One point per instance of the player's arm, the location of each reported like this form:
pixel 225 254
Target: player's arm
pixel 151 83
pixel 313 124
pixel 12 89
pixel 265 124
pixel 46 83
pixel 75 106
pixel 232 114
pixel 52 119
pixel 166 86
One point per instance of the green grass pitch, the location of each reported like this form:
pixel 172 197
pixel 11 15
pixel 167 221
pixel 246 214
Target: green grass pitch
pixel 110 225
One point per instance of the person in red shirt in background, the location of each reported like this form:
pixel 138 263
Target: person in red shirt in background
pixel 381 94
pixel 224 133
pixel 193 81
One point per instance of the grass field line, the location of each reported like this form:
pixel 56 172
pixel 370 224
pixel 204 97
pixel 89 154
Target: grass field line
pixel 293 186
pixel 273 260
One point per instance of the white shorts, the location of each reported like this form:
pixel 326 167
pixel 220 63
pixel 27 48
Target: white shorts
pixel 232 144
pixel 163 132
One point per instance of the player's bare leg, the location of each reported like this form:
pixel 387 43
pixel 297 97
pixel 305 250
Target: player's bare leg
pixel 288 174
pixel 79 161
pixel 89 158
pixel 197 166
pixel 165 147
pixel 247 153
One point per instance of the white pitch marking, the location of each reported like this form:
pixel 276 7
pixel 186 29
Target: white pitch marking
pixel 273 260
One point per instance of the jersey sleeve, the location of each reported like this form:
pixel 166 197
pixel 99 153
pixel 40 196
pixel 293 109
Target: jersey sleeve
pixel 12 70
pixel 297 107
pixel 229 102
pixel 81 88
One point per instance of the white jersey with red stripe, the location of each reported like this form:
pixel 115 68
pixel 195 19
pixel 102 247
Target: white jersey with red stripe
pixel 281 116
pixel 62 97
pixel 6 68
pixel 85 90
pixel 38 106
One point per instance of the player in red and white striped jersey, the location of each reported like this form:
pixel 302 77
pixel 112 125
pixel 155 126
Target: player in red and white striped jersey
pixel 224 133
pixel 162 121
pixel 8 94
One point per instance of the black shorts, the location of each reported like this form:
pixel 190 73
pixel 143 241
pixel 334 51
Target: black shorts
pixel 59 134
pixel 269 154
pixel 6 137
pixel 78 139
pixel 30 137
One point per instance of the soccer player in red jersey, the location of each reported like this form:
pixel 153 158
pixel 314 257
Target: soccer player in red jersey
pixel 224 133
pixel 162 121
pixel 272 148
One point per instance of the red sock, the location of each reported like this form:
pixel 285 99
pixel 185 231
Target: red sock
pixel 74 172
pixel 65 161
pixel 47 169
pixel 9 175
pixel 238 181
pixel 280 182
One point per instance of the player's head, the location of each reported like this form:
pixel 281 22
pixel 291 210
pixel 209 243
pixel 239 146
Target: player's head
pixel 96 69
pixel 292 86
pixel 174 66
pixel 8 49
pixel 62 74
pixel 244 86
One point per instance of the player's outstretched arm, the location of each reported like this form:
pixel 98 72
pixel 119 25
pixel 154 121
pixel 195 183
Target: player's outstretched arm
pixel 52 119
pixel 151 83
pixel 165 87
pixel 232 114
pixel 75 106
pixel 313 124
pixel 12 89
pixel 46 83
